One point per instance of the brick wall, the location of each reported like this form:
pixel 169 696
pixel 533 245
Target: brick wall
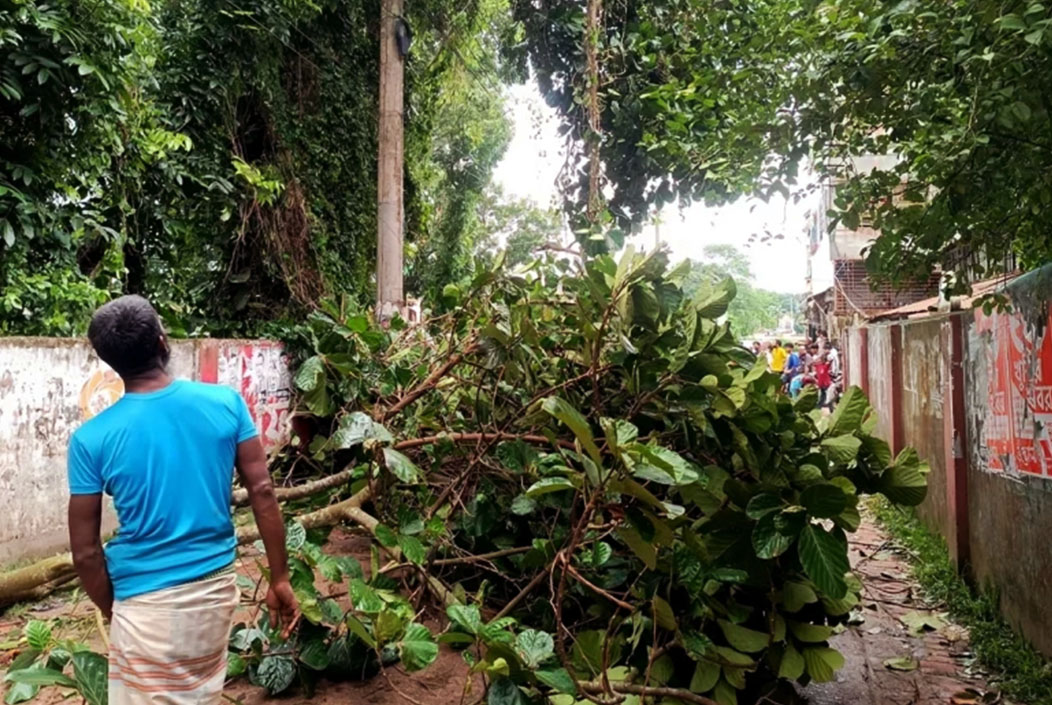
pixel 853 292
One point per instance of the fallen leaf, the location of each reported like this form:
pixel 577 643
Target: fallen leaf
pixel 902 663
pixel 919 622
pixel 874 630
pixel 954 632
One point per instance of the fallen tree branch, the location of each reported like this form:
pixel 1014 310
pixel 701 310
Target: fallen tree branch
pixel 427 385
pixel 683 694
pixel 285 494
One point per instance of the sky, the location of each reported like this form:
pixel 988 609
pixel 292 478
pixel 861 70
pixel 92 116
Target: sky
pixel 535 155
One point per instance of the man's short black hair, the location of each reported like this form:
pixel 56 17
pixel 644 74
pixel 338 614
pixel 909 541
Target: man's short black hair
pixel 126 333
pixel 788 345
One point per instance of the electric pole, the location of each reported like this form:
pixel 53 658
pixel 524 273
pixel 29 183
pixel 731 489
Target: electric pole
pixel 390 297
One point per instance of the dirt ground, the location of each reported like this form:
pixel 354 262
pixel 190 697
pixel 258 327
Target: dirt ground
pixel 886 664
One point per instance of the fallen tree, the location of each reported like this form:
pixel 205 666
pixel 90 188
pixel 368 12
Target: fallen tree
pixel 605 492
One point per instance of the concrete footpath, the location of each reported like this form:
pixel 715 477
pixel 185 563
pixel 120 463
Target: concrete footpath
pixel 900 650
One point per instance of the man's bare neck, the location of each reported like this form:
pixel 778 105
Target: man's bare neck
pixel 147 382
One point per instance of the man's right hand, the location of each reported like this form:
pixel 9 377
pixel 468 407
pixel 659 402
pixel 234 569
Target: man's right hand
pixel 281 601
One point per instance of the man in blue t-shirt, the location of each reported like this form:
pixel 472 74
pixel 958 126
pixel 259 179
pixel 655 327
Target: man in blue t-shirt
pixel 166 454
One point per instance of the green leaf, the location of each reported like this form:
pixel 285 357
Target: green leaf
pixel 905 481
pixel 91 672
pixel 842 449
pixel 1011 21
pixel 561 410
pixel 767 541
pixel 558 679
pixel 355 626
pixel 792 665
pixel 849 412
pixel 387 625
pixel 364 598
pixel 467 616
pixel 504 691
pixel 823 501
pixel 822 663
pixel 37 634
pixel 810 633
pixel 698 645
pixel 276 673
pixel 386 537
pixel 20 692
pixel 522 505
pixel 762 504
pixel 357 428
pixel 706 673
pixel 38 675
pixel 402 467
pixel 534 647
pixel 824 558
pixel 310 379
pixel 295 536
pixel 314 655
pixel 412 549
pixel 663 613
pixel 548 484
pixel 725 693
pixel 796 595
pixel 644 550
pixel 902 663
pixel 743 639
pixel 235 665
pixel 711 301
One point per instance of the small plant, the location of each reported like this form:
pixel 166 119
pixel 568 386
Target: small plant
pixel 44 662
pixel 329 640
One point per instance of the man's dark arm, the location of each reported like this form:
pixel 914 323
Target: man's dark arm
pixel 85 523
pixel 255 476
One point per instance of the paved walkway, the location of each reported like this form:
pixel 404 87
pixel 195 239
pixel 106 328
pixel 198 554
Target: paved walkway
pixel 898 631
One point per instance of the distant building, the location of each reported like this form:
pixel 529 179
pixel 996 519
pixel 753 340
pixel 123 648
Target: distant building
pixel 840 291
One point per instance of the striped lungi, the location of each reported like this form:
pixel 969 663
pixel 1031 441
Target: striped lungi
pixel 170 646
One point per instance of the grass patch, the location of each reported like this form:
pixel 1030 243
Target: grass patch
pixel 1018 669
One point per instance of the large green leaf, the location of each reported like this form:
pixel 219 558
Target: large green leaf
pixel 548 484
pixel 314 655
pixel 711 301
pixel 417 648
pixel 706 673
pixel 792 664
pixel 20 692
pixel 644 550
pixel 743 639
pixel 767 541
pixel 276 673
pixel 849 412
pixel 905 481
pixel 534 647
pixel 558 679
pixel 842 449
pixel 401 466
pixel 823 501
pixel 310 379
pixel 561 410
pixel 467 616
pixel 91 672
pixel 37 634
pixel 824 558
pixel 822 663
pixel 39 676
pixel 357 428
pixel 504 691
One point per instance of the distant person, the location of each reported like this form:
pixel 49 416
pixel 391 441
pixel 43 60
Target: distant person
pixel 166 454
pixel 824 379
pixel 792 364
pixel 756 350
pixel 803 378
pixel 778 358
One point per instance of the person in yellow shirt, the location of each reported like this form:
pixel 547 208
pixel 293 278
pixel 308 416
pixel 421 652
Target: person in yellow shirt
pixel 778 358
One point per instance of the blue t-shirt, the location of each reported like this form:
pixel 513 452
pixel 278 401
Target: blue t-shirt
pixel 167 459
pixel 793 362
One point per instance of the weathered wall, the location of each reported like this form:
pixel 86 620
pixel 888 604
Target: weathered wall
pixel 1008 383
pixel 985 428
pixel 853 356
pixel 923 387
pixel 879 352
pixel 49 386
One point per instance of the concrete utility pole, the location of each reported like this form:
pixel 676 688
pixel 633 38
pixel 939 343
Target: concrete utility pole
pixel 390 297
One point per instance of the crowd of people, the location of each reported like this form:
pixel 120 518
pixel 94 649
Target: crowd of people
pixel 812 363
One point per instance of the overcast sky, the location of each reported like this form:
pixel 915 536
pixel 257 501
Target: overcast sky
pixel 534 158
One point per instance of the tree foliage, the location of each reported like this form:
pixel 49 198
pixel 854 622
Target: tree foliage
pixel 602 487
pixel 219 156
pixel 754 309
pixel 708 101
